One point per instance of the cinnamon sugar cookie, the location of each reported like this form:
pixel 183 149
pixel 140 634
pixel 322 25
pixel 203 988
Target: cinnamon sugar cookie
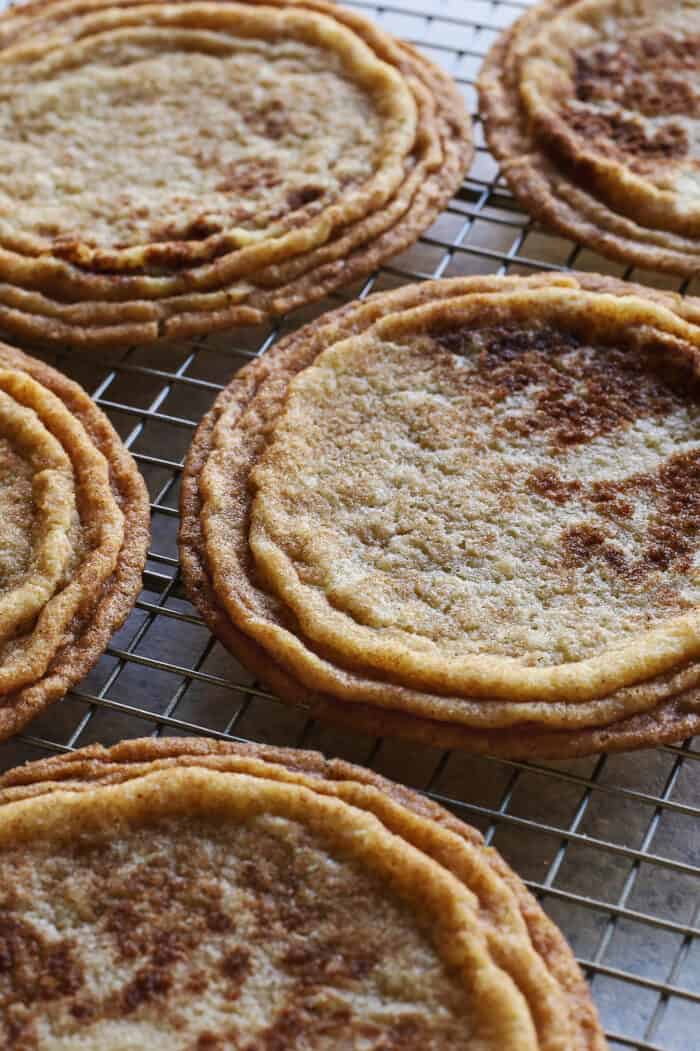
pixel 592 109
pixel 189 893
pixel 175 168
pixel 465 510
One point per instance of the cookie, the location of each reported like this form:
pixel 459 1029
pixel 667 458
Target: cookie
pixel 592 110
pixel 75 532
pixel 465 510
pixel 175 168
pixel 308 903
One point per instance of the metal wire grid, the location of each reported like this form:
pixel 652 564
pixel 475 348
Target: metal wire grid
pixel 610 845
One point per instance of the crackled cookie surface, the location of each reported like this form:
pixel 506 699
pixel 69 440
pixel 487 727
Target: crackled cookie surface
pixel 593 110
pixel 188 894
pixel 75 524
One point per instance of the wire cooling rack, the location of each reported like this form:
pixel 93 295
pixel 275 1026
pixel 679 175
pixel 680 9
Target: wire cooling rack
pixel 610 846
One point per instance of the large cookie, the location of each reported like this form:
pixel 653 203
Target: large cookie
pixel 174 168
pixel 193 894
pixel 592 108
pixel 465 511
pixel 75 528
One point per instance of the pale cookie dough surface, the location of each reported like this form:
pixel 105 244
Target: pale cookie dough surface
pixel 521 491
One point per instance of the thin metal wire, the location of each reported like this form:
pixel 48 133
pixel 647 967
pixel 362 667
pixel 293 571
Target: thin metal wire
pixel 609 845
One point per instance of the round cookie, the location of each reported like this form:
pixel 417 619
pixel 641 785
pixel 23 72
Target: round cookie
pixel 235 833
pixel 591 108
pixel 75 534
pixel 607 697
pixel 174 168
